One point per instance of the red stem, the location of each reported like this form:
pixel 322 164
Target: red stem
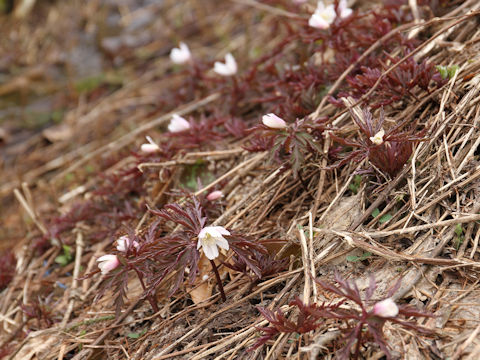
pixel 219 281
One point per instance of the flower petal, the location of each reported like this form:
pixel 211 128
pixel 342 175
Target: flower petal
pixel 223 243
pixel 231 63
pixel 210 251
pixel 107 257
pixel 221 230
pixel 203 233
pixel 318 22
pixel 213 231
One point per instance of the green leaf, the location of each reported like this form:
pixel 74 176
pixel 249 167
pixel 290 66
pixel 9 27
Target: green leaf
pixel 364 256
pixel 134 335
pixel 452 70
pixel 62 260
pixel 443 71
pixel 447 71
pixel 65 258
pixel 67 250
pixel 385 218
pixel 458 230
pixel 69 177
pixel 375 212
pixel 88 84
pixel 57 116
pixel 354 186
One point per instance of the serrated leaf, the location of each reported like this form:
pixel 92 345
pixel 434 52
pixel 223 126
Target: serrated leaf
pixel 375 212
pixel 443 71
pixel 452 70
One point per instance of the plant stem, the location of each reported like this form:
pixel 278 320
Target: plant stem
pixel 150 298
pixel 219 281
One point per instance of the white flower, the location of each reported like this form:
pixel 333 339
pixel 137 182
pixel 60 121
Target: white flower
pixel 377 139
pixel 151 147
pixel 273 121
pixel 107 263
pixel 214 195
pixel 343 9
pixel 210 237
pixel 181 54
pixel 323 16
pixel 124 242
pixel 385 308
pixel 228 68
pixel 178 124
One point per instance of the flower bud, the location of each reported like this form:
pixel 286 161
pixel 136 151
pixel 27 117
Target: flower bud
pixel 124 242
pixel 273 121
pixel 228 68
pixel 107 263
pixel 214 195
pixel 149 147
pixel 178 124
pixel 181 54
pixel 385 308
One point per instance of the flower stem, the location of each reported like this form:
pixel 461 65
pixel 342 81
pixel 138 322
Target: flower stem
pixel 219 281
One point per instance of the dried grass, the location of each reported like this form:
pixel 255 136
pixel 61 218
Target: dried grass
pixel 418 243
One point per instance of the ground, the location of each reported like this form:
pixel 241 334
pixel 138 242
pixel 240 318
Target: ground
pixel 371 172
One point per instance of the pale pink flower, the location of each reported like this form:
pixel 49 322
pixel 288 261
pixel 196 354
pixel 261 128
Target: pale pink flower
pixel 385 308
pixel 123 243
pixel 210 237
pixel 107 263
pixel 377 139
pixel 228 68
pixel 214 195
pixel 178 124
pixel 343 9
pixel 181 54
pixel 323 16
pixel 273 121
pixel 149 147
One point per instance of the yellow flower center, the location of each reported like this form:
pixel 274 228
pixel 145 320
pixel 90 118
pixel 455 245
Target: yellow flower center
pixel 209 240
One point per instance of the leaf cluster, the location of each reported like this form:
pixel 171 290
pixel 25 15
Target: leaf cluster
pixel 167 253
pixel 396 85
pixel 358 324
pixel 288 146
pixel 391 155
